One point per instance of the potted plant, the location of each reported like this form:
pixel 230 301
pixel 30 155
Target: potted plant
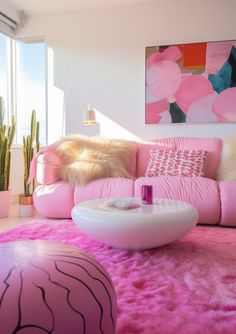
pixel 26 208
pixel 6 138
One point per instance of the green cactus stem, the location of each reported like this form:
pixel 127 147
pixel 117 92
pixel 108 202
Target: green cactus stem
pixel 28 152
pixel 6 138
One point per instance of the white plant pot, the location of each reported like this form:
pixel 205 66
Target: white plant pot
pixel 26 210
pixel 26 207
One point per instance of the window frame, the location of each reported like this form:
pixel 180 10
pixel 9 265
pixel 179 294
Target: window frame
pixel 11 109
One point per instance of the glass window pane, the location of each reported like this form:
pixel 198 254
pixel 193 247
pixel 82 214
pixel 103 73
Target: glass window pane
pixel 4 69
pixel 30 88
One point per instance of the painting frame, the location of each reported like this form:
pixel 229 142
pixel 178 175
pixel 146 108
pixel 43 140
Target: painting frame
pixel 191 83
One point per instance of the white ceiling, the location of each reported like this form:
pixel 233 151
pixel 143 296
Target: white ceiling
pixel 34 7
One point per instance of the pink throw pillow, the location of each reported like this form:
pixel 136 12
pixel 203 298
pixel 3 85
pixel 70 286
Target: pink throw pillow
pixel 181 163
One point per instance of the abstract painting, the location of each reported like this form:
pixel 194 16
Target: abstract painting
pixel 191 83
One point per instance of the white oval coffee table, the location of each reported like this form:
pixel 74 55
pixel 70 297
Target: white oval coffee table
pixel 147 226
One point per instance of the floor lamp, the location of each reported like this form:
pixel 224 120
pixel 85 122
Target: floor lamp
pixel 89 117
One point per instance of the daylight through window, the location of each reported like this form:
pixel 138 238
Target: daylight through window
pixel 23 84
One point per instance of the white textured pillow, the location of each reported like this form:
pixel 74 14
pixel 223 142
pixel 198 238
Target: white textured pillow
pixel 227 167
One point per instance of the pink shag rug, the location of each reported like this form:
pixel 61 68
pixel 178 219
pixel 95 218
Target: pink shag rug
pixel 187 287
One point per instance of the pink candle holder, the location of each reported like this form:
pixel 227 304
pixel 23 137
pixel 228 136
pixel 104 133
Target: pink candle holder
pixel 146 191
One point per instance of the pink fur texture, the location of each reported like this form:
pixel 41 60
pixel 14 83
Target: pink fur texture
pixel 187 287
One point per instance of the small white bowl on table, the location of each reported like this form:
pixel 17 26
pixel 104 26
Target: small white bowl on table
pixel 146 226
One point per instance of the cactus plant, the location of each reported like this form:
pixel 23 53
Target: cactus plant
pixel 28 152
pixel 6 138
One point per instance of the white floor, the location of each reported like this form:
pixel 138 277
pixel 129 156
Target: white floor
pixel 13 220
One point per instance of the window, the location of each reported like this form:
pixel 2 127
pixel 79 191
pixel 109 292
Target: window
pixel 4 71
pixel 23 84
pixel 30 87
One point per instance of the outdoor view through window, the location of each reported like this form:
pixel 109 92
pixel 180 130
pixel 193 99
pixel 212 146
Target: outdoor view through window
pixel 23 83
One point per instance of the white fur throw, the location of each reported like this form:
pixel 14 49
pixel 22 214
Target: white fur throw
pixel 89 158
pixel 227 168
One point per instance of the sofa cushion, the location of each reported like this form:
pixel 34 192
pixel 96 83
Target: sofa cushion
pixel 55 200
pixel 176 163
pixel 211 145
pixel 228 207
pixel 201 192
pixel 227 167
pixel 104 188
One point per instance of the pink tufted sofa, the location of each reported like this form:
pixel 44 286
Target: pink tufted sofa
pixel 215 201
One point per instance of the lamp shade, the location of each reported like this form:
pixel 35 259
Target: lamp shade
pixel 89 116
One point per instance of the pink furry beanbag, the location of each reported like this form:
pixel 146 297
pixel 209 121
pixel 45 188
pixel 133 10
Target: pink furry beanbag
pixel 48 287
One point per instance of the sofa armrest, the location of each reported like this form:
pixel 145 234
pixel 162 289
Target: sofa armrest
pixel 228 207
pixel 45 167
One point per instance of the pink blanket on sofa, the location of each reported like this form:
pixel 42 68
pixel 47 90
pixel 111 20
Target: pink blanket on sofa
pixel 187 287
